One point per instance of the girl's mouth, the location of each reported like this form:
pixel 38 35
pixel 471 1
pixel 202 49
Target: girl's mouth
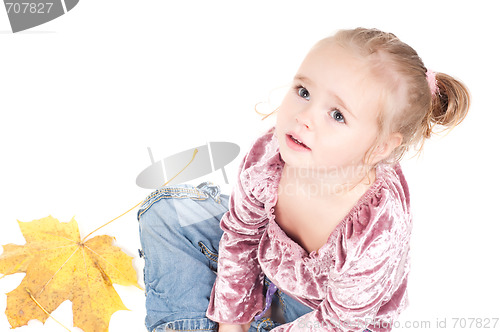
pixel 296 144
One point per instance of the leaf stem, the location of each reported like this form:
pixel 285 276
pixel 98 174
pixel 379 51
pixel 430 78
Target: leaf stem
pixel 109 222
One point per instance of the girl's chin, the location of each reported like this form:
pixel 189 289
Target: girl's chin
pixel 294 162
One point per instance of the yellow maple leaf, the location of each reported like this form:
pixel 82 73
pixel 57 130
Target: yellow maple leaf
pixel 59 267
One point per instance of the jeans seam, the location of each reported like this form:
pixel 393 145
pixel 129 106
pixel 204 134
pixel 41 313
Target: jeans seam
pixel 267 321
pixel 161 191
pixel 197 330
pixel 208 253
pixel 280 297
pixel 166 193
pixel 208 329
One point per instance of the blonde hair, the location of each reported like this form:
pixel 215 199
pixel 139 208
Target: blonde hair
pixel 419 113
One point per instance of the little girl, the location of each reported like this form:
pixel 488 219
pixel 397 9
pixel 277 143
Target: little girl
pixel 316 233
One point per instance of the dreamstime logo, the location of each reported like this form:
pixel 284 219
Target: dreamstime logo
pixel 26 14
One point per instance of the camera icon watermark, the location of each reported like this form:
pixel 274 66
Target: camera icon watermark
pixel 188 165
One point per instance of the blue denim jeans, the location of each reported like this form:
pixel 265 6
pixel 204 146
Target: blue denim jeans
pixel 180 234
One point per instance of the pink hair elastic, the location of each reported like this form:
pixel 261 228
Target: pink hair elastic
pixel 431 80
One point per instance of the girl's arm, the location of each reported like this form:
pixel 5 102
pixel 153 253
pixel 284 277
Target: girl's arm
pixel 237 295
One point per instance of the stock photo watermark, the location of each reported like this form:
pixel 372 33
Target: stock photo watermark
pixel 322 181
pixel 24 14
pixel 465 323
pixel 188 165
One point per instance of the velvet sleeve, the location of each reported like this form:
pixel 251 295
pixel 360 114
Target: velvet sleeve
pixel 237 295
pixel 369 277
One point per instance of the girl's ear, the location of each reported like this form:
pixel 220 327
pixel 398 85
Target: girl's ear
pixel 384 149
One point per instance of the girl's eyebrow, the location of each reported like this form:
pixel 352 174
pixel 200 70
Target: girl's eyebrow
pixel 334 95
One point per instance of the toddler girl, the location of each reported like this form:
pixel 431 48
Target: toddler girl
pixel 316 233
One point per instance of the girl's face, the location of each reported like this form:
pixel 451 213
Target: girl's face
pixel 331 109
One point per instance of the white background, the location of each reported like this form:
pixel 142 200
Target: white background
pixel 83 96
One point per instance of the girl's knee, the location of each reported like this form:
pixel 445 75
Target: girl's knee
pixel 159 206
pixel 181 205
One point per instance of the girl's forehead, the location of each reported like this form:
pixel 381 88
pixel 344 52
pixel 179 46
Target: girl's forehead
pixel 333 64
pixel 342 72
pixel 375 69
pixel 335 57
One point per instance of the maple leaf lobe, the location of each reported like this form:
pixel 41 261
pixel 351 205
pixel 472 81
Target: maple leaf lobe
pixel 60 267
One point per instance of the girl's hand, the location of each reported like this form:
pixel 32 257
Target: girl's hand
pixel 234 327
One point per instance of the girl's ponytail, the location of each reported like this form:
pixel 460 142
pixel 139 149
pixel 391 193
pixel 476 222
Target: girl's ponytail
pixel 450 102
pixel 418 101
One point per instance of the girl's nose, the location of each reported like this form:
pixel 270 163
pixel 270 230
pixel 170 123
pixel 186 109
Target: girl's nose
pixel 304 118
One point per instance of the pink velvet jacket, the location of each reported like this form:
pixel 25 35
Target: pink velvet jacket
pixel 356 280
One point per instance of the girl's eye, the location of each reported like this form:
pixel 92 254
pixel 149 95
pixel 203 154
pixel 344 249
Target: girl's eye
pixel 337 116
pixel 302 92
